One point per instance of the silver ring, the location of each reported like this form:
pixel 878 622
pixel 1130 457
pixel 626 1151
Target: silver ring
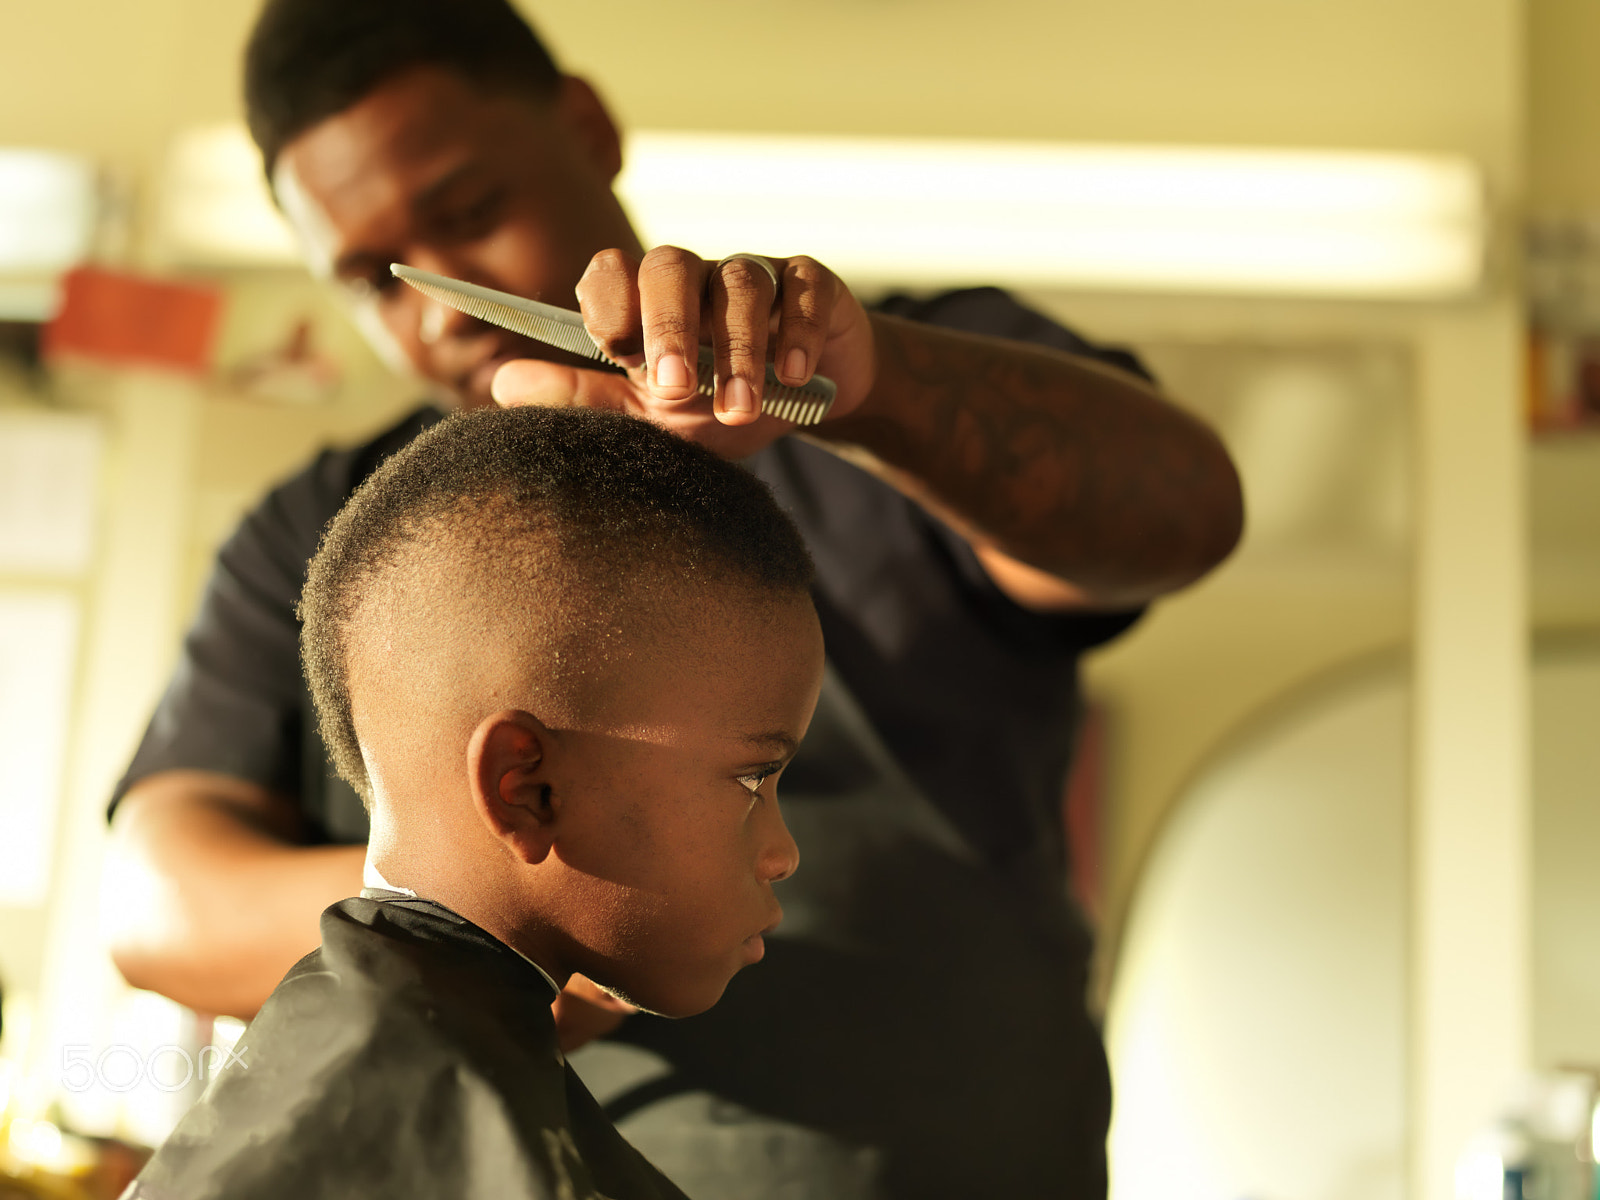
pixel 760 262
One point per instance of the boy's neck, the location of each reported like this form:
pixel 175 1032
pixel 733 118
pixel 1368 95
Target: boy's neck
pixel 372 877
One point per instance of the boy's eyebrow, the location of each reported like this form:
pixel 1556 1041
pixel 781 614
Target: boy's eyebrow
pixel 777 739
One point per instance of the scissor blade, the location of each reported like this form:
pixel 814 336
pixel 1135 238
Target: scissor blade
pixel 545 323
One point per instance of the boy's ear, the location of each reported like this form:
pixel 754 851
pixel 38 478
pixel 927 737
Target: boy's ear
pixel 508 775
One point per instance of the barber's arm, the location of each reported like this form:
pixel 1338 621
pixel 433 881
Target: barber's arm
pixel 210 896
pixel 1077 484
pixel 212 899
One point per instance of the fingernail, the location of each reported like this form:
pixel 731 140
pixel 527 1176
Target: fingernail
pixel 672 371
pixel 794 366
pixel 738 398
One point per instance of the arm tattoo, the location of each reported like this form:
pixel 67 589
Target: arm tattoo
pixel 1065 464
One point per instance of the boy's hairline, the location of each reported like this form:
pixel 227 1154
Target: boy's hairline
pixel 624 604
pixel 535 490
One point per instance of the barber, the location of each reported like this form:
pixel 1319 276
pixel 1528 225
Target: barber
pixel 989 497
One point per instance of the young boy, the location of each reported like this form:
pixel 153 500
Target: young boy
pixel 563 656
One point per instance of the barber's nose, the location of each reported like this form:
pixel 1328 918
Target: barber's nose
pixel 434 322
pixel 780 855
pixel 439 322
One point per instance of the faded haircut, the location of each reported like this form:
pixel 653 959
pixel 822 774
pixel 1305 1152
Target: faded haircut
pixel 308 60
pixel 614 502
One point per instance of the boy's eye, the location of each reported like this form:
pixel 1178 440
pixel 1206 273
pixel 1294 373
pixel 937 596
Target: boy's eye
pixel 753 780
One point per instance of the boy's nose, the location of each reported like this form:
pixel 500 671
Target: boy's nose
pixel 780 856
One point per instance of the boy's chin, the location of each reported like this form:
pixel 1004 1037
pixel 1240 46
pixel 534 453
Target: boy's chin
pixel 679 1001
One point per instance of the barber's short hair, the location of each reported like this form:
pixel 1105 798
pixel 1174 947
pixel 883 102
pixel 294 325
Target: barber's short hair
pixel 623 507
pixel 308 60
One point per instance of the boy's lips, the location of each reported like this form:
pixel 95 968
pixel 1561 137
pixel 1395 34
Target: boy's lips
pixel 755 946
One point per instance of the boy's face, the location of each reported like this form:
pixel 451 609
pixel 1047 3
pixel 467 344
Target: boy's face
pixel 428 170
pixel 669 833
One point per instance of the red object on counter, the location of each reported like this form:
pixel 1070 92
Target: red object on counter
pixel 133 320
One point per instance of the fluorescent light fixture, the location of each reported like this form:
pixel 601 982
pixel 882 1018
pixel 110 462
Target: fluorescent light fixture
pixel 932 213
pixel 216 210
pixel 47 211
pixel 1134 218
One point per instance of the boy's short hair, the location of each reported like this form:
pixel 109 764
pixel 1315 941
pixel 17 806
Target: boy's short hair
pixel 550 504
pixel 308 60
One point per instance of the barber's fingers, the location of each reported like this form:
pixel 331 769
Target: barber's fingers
pixel 742 292
pixel 809 295
pixel 648 314
pixel 652 315
pixel 556 385
pixel 608 296
pixel 671 283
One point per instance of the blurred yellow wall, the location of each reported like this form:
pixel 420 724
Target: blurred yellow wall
pixel 114 77
pixel 1563 91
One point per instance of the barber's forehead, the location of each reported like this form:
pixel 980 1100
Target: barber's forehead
pixel 363 173
pixel 415 122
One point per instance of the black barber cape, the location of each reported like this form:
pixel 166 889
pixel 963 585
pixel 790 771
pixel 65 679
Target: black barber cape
pixel 411 1055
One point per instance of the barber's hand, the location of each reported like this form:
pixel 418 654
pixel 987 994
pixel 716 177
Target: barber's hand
pixel 652 316
pixel 584 1012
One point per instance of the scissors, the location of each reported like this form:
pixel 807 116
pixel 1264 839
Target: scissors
pixel 563 328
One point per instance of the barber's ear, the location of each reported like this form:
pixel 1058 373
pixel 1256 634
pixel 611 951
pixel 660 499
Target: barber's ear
pixel 580 105
pixel 508 774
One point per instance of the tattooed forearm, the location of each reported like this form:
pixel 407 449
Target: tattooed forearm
pixel 1075 468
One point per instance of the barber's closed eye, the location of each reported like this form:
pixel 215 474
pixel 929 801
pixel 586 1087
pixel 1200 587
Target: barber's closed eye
pixel 474 218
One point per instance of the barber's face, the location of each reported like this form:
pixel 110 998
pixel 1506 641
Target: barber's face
pixel 428 170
